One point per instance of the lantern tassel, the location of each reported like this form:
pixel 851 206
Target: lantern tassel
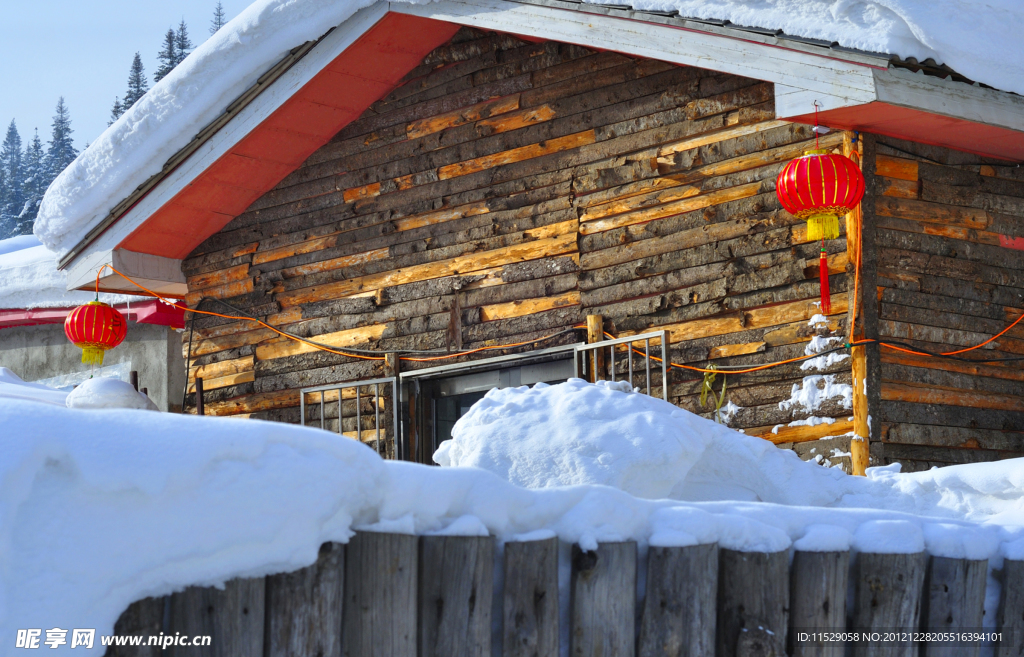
pixel 92 356
pixel 826 296
pixel 822 227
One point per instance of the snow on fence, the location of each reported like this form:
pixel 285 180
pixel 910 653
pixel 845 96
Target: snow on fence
pixel 400 595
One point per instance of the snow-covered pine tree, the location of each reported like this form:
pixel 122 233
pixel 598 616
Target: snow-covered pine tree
pixel 116 111
pixel 137 85
pixel 218 18
pixel 61 150
pixel 182 44
pixel 12 197
pixel 33 163
pixel 168 57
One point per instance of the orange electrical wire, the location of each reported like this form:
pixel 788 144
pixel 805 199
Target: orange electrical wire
pixel 307 342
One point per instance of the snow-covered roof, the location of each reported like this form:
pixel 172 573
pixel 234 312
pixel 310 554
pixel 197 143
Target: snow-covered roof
pixel 29 278
pixel 979 41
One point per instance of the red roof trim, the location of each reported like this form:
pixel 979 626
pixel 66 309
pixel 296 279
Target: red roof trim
pixel 145 312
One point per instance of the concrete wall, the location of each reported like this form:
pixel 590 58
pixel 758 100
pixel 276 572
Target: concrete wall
pixel 41 352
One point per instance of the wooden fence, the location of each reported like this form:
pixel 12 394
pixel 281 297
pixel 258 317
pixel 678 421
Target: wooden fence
pixel 394 595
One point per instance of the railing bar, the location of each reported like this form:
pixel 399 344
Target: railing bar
pixel 399 436
pixel 359 418
pixel 647 361
pixel 302 406
pixel 665 356
pixel 376 411
pixel 339 412
pixel 611 349
pixel 322 408
pixel 629 359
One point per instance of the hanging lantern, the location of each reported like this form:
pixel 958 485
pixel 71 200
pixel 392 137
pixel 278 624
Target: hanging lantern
pixel 95 327
pixel 820 187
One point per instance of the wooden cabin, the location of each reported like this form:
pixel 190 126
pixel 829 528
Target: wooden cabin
pixel 459 176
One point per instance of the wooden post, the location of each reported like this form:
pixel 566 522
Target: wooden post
pixel 595 333
pixel 133 378
pixel 679 608
pixel 393 367
pixel 530 604
pixel 144 391
pixel 860 444
pixel 603 601
pixel 817 601
pixel 199 396
pixel 304 608
pixel 887 596
pixel 753 603
pixel 380 596
pixel 142 618
pixel 954 600
pixel 232 618
pixel 1010 620
pixel 455 593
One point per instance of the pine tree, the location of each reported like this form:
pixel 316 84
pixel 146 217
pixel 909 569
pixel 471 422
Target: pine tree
pixel 61 150
pixel 218 18
pixel 12 197
pixel 35 180
pixel 182 44
pixel 116 111
pixel 137 85
pixel 168 57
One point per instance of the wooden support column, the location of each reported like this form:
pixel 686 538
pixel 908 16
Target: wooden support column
pixel 381 573
pixel 595 333
pixel 954 601
pixel 393 367
pixel 146 618
pixel 232 617
pixel 817 601
pixel 863 313
pixel 455 591
pixel 753 603
pixel 1011 610
pixel 887 596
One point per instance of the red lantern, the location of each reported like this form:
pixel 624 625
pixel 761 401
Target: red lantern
pixel 95 327
pixel 819 187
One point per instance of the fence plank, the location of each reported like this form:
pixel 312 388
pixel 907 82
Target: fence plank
pixel 679 608
pixel 142 618
pixel 304 608
pixel 1011 610
pixel 455 593
pixel 380 595
pixel 232 617
pixel 603 601
pixel 954 600
pixel 753 603
pixel 818 600
pixel 530 605
pixel 887 596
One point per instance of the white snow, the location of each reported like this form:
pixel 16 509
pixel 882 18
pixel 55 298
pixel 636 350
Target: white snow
pixel 212 499
pixel 816 389
pixel 29 278
pixel 108 393
pixel 983 48
pixel 13 387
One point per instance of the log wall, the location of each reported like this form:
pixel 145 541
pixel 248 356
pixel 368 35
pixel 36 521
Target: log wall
pixel 502 193
pixel 506 190
pixel 949 233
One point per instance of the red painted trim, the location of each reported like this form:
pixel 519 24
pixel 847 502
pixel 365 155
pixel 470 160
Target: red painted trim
pixel 923 127
pixel 367 71
pixel 1012 242
pixel 146 312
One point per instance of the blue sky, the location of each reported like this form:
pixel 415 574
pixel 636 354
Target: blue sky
pixel 82 49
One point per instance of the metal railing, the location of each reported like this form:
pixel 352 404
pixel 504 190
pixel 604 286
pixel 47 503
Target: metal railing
pixel 588 359
pixel 358 397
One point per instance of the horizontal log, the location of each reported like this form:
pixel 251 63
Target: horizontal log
pixel 960 437
pixel 466 264
pixel 905 392
pixel 459 117
pixel 801 433
pixel 994 370
pixel 224 381
pixel 896 167
pixel 522 307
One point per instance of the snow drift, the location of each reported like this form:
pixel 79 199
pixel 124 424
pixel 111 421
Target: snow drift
pixel 979 41
pixel 99 508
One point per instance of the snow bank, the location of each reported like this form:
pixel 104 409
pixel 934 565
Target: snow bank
pixel 108 393
pixel 29 278
pixel 212 499
pixel 137 145
pixel 13 387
